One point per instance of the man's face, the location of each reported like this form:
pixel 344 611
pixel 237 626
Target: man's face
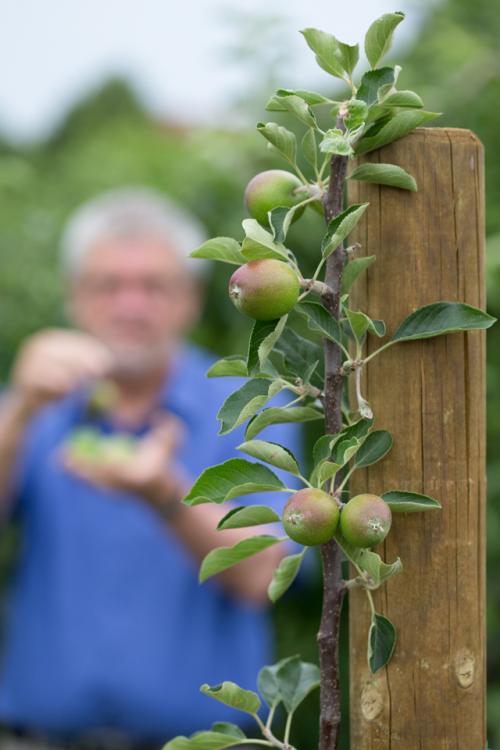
pixel 136 296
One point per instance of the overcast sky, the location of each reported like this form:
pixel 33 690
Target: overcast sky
pixel 52 51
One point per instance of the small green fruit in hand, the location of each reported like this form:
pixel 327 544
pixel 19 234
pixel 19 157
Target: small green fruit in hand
pixel 270 189
pixel 85 443
pixel 264 289
pixel 88 444
pixel 310 517
pixel 117 448
pixel 365 520
pixel 103 397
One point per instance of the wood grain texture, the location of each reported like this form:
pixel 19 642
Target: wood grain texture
pixel 431 396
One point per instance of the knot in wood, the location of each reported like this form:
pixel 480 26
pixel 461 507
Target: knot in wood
pixel 372 702
pixel 465 668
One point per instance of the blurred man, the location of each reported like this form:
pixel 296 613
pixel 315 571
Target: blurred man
pixel 109 635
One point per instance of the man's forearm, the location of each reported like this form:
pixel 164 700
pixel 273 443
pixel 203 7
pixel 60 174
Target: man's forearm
pixel 15 413
pixel 249 579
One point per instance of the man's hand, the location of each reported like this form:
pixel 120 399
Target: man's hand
pixel 54 362
pixel 149 472
pixel 152 474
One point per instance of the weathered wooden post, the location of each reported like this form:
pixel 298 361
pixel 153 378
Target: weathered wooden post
pixel 431 396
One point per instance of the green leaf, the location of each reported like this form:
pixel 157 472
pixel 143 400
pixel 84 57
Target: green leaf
pixel 319 319
pixel 334 447
pixel 296 680
pixel 442 317
pixel 268 684
pixel 361 323
pixel 230 479
pixel 409 502
pixel 345 449
pixel 297 106
pixel 310 97
pixel 281 415
pixel 309 148
pixel 396 127
pixel 225 727
pixel 272 453
pixel 325 471
pixel 326 48
pixel 372 81
pixel 224 249
pixel 385 174
pixel 232 695
pixel 284 575
pixel 322 449
pixel 202 741
pixel 280 219
pixel 282 139
pixel 377 444
pixel 221 558
pixel 311 371
pixel 234 365
pixel 353 269
pixel 335 142
pixel 357 112
pixel 381 642
pixel 389 88
pixel 259 243
pixel 379 36
pixel 265 334
pixel 299 354
pixel 331 453
pixel 403 99
pixel 349 56
pixel 358 429
pixel 245 402
pixel 341 226
pixel 371 563
pixel 247 515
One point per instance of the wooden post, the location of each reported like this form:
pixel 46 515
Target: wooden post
pixel 431 396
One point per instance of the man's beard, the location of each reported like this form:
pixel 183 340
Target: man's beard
pixel 136 363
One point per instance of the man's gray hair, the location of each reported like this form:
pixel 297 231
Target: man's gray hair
pixel 131 212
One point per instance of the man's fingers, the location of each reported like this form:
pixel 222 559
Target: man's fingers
pixel 53 362
pixel 167 434
pixel 107 476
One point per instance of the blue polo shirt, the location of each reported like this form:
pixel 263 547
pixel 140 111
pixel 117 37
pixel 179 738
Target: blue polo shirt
pixel 107 626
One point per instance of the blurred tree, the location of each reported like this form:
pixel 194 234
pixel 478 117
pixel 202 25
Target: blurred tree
pixel 114 101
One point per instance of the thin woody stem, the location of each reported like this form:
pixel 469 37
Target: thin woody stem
pixel 270 737
pixel 331 555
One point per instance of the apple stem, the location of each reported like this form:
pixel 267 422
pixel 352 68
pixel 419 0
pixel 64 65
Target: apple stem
pixel 331 554
pixel 313 285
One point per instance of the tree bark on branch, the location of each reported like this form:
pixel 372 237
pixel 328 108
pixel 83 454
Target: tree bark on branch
pixel 331 556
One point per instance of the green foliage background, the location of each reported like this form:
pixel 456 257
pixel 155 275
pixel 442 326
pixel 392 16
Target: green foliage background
pixel 108 140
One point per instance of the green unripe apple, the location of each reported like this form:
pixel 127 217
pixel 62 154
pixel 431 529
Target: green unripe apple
pixel 85 443
pixel 365 520
pixel 310 517
pixel 103 397
pixel 89 444
pixel 264 289
pixel 270 189
pixel 117 448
